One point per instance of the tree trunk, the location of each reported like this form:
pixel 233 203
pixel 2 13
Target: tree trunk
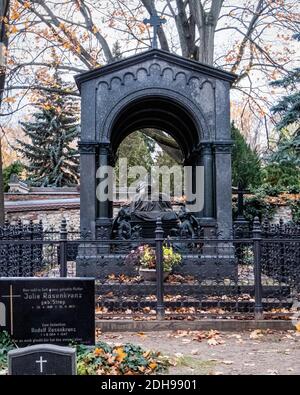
pixel 207 47
pixel 4 12
pixel 166 143
pixel 206 22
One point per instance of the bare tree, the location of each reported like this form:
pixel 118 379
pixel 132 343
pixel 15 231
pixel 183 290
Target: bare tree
pixel 4 15
pixel 4 8
pixel 247 37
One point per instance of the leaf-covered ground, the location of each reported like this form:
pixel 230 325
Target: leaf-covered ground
pixel 119 359
pixel 188 352
pixel 213 353
pixel 104 359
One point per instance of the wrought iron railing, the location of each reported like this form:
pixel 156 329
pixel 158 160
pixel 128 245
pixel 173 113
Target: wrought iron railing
pixel 257 276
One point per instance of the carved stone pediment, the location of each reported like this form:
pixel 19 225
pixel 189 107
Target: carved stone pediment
pixel 202 90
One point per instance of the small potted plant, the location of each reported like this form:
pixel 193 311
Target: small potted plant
pixel 148 261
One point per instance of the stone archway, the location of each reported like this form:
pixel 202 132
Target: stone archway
pixel 158 112
pixel 157 89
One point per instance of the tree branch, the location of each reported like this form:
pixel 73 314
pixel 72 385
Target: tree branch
pixel 247 36
pixel 50 65
pixel 216 6
pixel 43 88
pixel 82 54
pixel 167 143
pixel 85 12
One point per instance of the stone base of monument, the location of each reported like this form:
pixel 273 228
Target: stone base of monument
pixel 214 267
pixel 209 267
pixel 101 266
pixel 148 228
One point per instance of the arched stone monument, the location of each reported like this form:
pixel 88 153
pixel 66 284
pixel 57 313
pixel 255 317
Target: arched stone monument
pixel 156 89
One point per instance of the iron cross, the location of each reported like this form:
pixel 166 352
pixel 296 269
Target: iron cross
pixel 155 21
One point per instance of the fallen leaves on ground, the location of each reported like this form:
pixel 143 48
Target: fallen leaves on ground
pixel 213 337
pixel 179 279
pixel 98 333
pixel 120 354
pixel 126 359
pixel 260 333
pixel 142 335
pixel 214 342
pixel 256 334
pixel 227 362
pixel 122 278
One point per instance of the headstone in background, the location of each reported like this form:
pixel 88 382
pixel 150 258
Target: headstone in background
pixel 42 310
pixel 44 359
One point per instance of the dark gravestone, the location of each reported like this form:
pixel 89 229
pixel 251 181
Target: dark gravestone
pixel 57 311
pixel 43 359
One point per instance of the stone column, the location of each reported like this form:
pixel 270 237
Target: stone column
pixel 207 220
pixel 194 162
pixel 88 208
pixel 223 187
pixel 88 204
pixel 209 199
pixel 103 222
pixel 112 163
pixel 189 181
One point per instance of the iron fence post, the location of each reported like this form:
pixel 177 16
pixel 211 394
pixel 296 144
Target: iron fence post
pixel 9 271
pixel 63 249
pixel 40 247
pixel 32 247
pixel 257 237
pixel 160 307
pixel 21 262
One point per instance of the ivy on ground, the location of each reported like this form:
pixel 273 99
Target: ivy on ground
pixel 6 344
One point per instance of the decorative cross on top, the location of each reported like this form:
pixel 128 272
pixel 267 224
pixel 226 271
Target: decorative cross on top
pixel 155 21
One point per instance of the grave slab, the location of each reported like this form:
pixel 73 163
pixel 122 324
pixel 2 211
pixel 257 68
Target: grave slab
pixel 45 360
pixel 53 311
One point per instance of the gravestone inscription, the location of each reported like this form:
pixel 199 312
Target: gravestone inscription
pixel 45 359
pixel 56 311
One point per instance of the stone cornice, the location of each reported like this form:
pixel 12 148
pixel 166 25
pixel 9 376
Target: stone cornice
pixel 88 147
pixel 156 54
pixel 223 147
pixel 104 148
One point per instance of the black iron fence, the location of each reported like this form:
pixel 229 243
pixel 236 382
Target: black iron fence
pixel 19 254
pixel 254 277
